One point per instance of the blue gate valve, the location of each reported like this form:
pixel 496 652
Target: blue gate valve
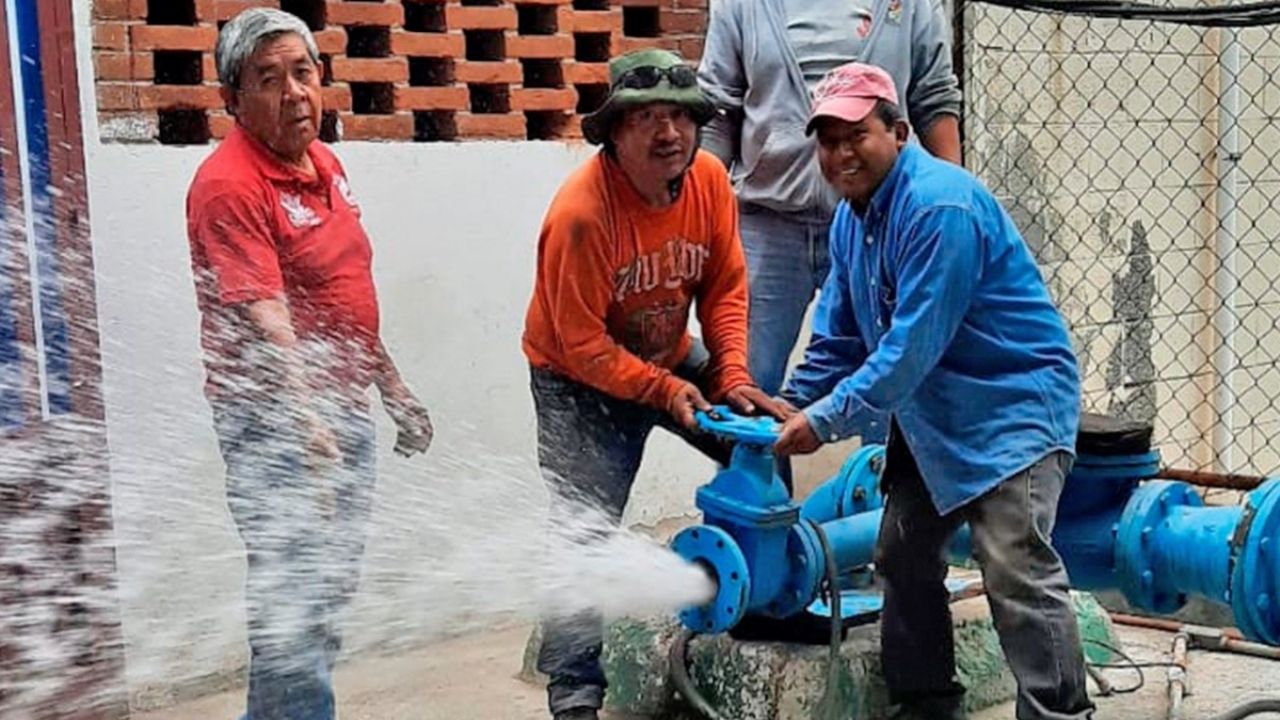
pixel 752 544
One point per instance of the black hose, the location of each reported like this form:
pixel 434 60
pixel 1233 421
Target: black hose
pixel 678 659
pixel 828 705
pixel 1105 687
pixel 1128 664
pixel 678 655
pixel 1252 707
pixel 1243 710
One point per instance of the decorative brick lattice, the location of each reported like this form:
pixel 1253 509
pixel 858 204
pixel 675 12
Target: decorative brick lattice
pixel 395 70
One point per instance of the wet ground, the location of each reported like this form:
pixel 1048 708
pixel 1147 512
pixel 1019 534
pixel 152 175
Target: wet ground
pixel 474 678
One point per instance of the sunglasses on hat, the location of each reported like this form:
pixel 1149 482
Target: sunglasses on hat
pixel 648 76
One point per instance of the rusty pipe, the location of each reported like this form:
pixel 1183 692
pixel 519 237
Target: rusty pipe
pixel 1171 626
pixel 1205 478
pixel 1202 638
pixel 1214 639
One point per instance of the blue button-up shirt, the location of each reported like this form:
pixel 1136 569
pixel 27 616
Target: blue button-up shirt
pixel 935 313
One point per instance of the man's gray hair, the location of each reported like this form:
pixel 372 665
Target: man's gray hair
pixel 241 37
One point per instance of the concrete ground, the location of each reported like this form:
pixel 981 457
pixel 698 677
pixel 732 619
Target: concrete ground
pixel 1218 681
pixel 474 678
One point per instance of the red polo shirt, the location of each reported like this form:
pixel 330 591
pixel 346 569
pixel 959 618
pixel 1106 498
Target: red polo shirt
pixel 259 229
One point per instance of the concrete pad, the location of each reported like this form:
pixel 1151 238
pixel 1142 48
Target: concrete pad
pixel 782 681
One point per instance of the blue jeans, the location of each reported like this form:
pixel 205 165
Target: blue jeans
pixel 590 446
pixel 787 263
pixel 304 531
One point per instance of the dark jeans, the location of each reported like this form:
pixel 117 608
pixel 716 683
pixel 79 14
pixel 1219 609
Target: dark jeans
pixel 1026 586
pixel 304 531
pixel 589 448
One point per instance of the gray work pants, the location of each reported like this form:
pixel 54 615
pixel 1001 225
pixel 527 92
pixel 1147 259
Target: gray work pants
pixel 1026 585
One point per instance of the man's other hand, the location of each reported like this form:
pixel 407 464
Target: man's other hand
pixel 687 400
pixel 751 400
pixel 413 422
pixel 797 437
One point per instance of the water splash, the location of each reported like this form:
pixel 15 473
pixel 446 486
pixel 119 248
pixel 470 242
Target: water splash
pixel 456 544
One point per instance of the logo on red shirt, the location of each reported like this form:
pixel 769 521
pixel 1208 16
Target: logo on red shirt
pixel 300 215
pixel 344 189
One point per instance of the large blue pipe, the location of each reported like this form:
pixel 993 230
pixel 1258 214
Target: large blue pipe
pixel 853 539
pixel 1087 546
pixel 1194 546
pixel 1190 550
pixel 1153 540
pixel 855 489
pixel 1159 547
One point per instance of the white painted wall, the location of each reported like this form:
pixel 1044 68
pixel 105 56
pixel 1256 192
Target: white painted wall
pixel 455 231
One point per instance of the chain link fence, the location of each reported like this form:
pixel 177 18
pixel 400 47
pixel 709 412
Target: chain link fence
pixel 1142 161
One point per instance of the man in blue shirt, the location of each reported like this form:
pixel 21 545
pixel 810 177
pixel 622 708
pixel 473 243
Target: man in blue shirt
pixel 935 319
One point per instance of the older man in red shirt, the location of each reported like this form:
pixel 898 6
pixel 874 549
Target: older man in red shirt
pixel 290 332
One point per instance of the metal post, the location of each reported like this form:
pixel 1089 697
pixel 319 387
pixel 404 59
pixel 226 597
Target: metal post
pixel 1224 280
pixel 1178 685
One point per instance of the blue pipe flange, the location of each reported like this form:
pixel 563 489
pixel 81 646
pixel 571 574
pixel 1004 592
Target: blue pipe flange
pixel 855 489
pixel 1135 544
pixel 1255 578
pixel 1147 462
pixel 807 568
pixel 1099 483
pixel 716 551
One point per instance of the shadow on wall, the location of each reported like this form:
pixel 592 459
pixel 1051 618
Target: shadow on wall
pixel 1131 373
pixel 1020 178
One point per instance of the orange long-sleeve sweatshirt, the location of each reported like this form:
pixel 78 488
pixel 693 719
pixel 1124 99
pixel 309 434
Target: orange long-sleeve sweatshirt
pixel 616 278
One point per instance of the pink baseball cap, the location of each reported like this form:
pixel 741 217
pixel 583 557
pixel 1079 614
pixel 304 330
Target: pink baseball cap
pixel 850 92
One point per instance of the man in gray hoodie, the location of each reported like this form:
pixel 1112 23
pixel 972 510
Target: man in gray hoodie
pixel 762 60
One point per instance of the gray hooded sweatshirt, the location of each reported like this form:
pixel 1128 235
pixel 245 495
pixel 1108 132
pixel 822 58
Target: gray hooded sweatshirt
pixel 751 73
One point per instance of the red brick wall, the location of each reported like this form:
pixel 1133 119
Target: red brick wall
pixel 397 70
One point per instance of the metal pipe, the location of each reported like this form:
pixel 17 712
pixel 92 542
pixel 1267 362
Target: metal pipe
pixel 1178 675
pixel 854 489
pixel 1088 548
pixel 1204 478
pixel 1244 647
pixel 1202 638
pixel 853 539
pixel 1224 280
pixel 1159 545
pixel 1193 544
pixel 1172 626
pixel 1218 640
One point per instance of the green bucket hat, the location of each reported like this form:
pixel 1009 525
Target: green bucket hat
pixel 643 76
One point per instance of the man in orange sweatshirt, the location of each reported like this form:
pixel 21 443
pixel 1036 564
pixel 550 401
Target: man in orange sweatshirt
pixel 637 235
